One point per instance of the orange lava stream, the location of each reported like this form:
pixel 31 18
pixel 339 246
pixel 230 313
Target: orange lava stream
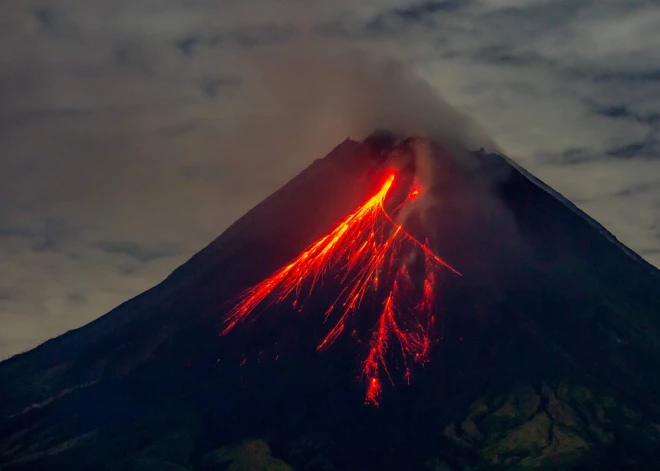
pixel 363 249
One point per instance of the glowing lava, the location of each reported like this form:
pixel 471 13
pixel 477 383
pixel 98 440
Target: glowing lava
pixel 367 252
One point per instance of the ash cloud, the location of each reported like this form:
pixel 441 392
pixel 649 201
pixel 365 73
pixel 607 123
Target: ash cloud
pixel 322 94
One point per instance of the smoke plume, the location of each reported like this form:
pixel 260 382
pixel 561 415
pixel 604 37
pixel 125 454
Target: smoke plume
pixel 316 96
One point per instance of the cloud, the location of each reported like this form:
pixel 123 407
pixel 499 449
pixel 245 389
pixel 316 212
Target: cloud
pixel 634 149
pixel 421 10
pixel 137 251
pixel 187 45
pixel 400 19
pixel 45 17
pixel 623 112
pixel 213 86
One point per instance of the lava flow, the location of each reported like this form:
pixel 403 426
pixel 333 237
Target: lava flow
pixel 368 253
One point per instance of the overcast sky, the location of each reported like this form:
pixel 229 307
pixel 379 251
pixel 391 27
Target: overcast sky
pixel 133 132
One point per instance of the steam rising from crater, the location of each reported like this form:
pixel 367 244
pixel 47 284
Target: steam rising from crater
pixel 307 99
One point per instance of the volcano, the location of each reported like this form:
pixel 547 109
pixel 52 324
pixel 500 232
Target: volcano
pixel 398 305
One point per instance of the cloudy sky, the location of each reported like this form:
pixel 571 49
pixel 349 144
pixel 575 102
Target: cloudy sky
pixel 132 132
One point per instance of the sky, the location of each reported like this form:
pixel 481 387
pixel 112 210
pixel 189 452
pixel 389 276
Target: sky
pixel 133 132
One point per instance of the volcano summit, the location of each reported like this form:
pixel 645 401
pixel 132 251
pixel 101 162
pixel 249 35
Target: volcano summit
pixel 396 306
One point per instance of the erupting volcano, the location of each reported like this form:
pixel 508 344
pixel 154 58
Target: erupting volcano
pixel 368 251
pixel 538 332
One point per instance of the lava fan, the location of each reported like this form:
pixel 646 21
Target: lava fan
pixel 380 266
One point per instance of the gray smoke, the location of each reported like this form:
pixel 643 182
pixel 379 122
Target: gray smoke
pixel 315 96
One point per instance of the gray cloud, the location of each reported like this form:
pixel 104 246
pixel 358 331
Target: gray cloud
pixel 623 112
pixel 45 17
pixel 137 251
pixel 400 19
pixel 134 123
pixel 213 86
pixel 187 45
pixel 634 149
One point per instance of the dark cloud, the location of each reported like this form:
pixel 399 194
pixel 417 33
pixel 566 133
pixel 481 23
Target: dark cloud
pixel 625 112
pixel 267 34
pixel 179 130
pixel 7 296
pixel 51 236
pixel 401 19
pixel 122 55
pixel 614 111
pixel 187 45
pixel 577 155
pixel 419 11
pixel 213 86
pixel 45 17
pixel 337 28
pixel 540 16
pixel 505 56
pixel 76 298
pixel 643 188
pixel 8 231
pixel 23 117
pixel 137 251
pixel 42 237
pixel 634 149
pixel 248 37
pixel 636 76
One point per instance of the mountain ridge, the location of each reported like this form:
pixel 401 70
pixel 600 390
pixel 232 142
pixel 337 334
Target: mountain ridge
pixel 573 207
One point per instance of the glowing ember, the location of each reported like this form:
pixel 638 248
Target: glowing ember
pixel 366 252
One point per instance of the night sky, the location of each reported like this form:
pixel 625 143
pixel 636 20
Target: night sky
pixel 133 132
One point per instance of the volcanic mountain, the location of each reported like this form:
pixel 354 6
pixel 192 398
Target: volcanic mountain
pixel 399 305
